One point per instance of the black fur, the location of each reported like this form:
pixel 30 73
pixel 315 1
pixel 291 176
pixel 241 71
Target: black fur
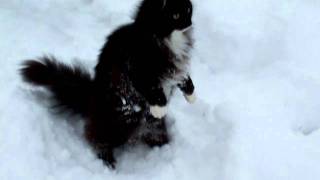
pixel 137 68
pixel 71 86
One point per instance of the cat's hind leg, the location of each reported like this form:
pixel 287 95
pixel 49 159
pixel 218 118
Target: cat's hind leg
pixel 155 132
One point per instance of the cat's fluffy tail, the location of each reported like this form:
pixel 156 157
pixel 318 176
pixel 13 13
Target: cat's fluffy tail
pixel 70 86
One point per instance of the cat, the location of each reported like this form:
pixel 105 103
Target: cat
pixel 139 67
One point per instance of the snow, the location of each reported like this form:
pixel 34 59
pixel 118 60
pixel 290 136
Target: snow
pixel 255 66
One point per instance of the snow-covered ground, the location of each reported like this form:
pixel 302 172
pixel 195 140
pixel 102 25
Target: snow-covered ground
pixel 256 67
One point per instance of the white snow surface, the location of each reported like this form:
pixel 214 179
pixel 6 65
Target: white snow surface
pixel 255 66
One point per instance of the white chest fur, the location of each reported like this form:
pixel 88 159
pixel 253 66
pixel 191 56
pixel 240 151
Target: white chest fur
pixel 179 45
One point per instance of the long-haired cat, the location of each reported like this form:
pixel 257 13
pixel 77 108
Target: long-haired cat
pixel 139 67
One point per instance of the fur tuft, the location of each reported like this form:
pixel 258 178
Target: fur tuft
pixel 71 86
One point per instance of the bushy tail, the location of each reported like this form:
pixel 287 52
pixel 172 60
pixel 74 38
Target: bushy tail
pixel 71 86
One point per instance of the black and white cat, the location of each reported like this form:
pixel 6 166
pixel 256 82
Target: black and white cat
pixel 138 69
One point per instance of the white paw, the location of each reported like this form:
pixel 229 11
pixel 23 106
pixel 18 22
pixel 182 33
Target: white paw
pixel 158 111
pixel 191 98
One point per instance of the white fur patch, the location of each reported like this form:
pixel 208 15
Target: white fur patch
pixel 191 98
pixel 158 111
pixel 178 43
pixel 168 87
pixel 164 3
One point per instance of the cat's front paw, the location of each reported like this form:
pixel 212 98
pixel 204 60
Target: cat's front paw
pixel 190 98
pixel 158 111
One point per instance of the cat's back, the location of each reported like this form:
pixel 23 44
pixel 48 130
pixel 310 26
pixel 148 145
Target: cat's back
pixel 129 44
pixel 121 37
pixel 128 40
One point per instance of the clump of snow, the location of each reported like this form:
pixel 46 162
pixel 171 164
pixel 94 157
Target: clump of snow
pixel 256 70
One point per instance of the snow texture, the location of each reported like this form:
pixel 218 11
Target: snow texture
pixel 255 66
